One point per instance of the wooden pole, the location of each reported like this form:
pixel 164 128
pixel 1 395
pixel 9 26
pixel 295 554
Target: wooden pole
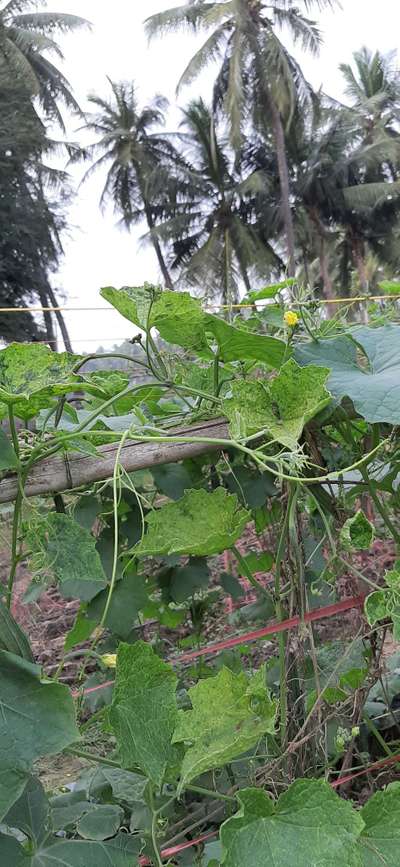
pixel 59 473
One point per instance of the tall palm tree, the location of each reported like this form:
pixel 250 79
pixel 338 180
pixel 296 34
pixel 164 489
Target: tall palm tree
pixel 373 85
pixel 139 183
pixel 258 79
pixel 343 193
pixel 26 39
pixel 213 231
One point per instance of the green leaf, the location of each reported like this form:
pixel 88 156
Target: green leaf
pixel 230 714
pixel 101 823
pixel 31 374
pixel 180 320
pixel 251 486
pixel 144 713
pixel 8 458
pixel 235 344
pixel 357 533
pixel 80 631
pixel 133 302
pixel 36 719
pixel 127 788
pixel 281 407
pixel 389 287
pixel 308 825
pixel 372 382
pixel 271 291
pixel 122 851
pixel 385 604
pixel 12 637
pixel 199 524
pixel 30 814
pixel 174 479
pixel 129 597
pixel 380 839
pixel 179 583
pixel 65 550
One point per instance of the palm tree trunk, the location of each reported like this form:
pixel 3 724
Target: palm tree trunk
pixel 358 257
pixel 283 171
pixel 157 247
pixel 60 320
pixel 48 321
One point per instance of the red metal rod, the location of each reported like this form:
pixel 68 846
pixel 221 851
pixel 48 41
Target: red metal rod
pixel 318 614
pixel 169 853
pixel 392 760
pixel 272 629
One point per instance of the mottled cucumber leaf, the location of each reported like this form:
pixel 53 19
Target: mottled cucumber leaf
pixel 132 302
pixel 235 344
pixel 144 712
pixel 385 604
pixel 36 719
pixel 199 524
pixel 63 549
pixel 357 533
pixel 31 375
pixel 180 320
pixel 282 406
pixel 177 316
pixel 308 825
pixel 230 713
pixel 380 839
pixel 365 366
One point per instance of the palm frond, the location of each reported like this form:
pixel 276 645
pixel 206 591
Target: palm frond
pixel 47 22
pixel 302 30
pixel 208 53
pixel 371 195
pixel 187 17
pixel 28 40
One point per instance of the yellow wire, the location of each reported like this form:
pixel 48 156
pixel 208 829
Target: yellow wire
pixel 359 298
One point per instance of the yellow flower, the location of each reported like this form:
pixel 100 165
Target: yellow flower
pixel 109 660
pixel 291 318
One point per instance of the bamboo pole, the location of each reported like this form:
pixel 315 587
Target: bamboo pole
pixel 59 473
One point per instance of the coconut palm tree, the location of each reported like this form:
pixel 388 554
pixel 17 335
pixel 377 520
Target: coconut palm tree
pixel 140 160
pixel 372 84
pixel 213 232
pixel 344 195
pixel 259 80
pixel 26 40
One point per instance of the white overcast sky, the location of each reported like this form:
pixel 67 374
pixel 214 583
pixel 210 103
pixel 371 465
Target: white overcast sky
pixel 97 253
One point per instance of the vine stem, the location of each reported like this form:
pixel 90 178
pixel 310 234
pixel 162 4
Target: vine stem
pixel 381 508
pixel 279 613
pixel 17 511
pixel 154 829
pixel 249 575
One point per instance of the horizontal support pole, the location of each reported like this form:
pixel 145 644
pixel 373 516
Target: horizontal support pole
pixel 59 474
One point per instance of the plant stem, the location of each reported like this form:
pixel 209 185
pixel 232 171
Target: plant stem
pixel 91 757
pixel 17 511
pixel 154 829
pixel 249 575
pixel 381 508
pixel 14 547
pixel 377 735
pixel 209 793
pixel 279 613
